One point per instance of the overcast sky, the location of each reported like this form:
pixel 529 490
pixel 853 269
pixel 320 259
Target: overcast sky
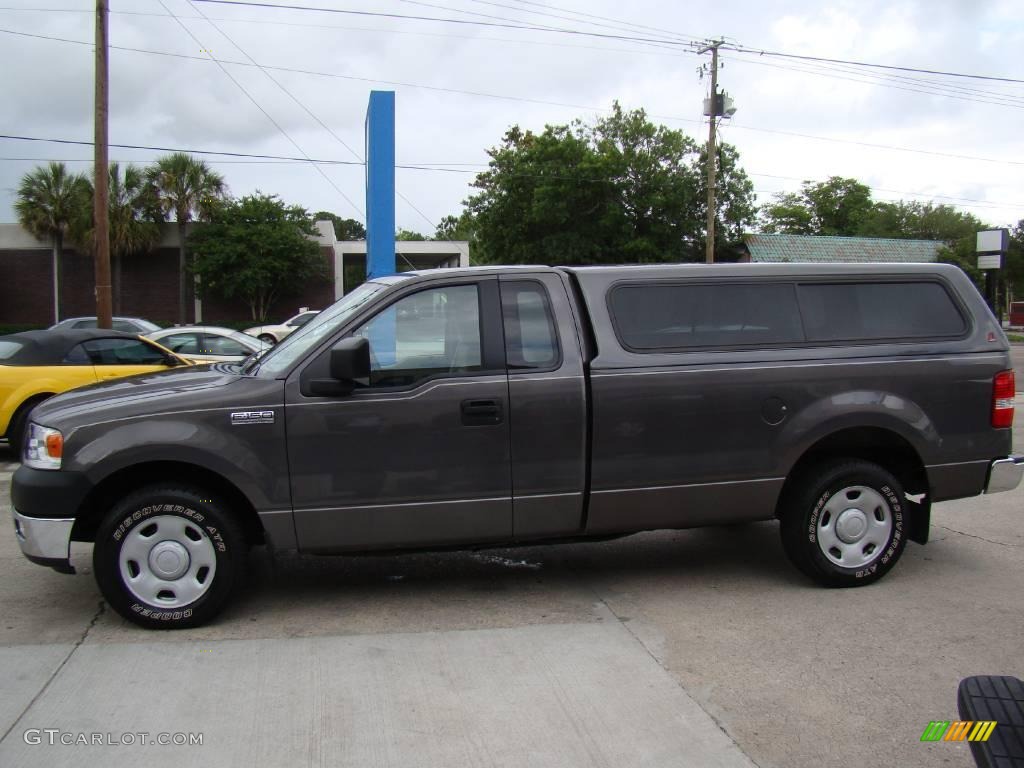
pixel 966 149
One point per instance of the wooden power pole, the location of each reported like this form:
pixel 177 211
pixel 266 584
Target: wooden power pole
pixel 100 206
pixel 712 161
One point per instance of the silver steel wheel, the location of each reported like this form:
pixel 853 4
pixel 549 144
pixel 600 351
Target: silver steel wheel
pixel 854 527
pixel 168 561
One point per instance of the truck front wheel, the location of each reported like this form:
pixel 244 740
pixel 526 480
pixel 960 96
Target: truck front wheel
pixel 844 522
pixel 169 557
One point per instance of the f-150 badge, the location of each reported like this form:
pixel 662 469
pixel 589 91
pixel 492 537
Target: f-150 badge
pixel 252 417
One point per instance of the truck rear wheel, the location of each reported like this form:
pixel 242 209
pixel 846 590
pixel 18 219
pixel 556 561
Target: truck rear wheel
pixel 169 557
pixel 844 523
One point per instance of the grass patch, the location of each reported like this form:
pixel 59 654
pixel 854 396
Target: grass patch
pixel 1017 338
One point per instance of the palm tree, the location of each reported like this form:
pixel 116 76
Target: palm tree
pixel 188 188
pixel 48 197
pixel 132 216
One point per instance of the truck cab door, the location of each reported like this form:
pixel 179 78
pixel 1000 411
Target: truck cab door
pixel 420 455
pixel 548 405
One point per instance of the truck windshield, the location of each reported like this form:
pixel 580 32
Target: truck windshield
pixel 279 359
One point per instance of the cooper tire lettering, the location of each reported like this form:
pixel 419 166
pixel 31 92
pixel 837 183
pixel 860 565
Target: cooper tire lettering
pixel 212 585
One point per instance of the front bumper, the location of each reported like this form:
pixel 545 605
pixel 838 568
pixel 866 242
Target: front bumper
pixel 1005 474
pixel 45 541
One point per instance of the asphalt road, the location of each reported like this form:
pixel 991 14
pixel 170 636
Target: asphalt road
pixel 671 648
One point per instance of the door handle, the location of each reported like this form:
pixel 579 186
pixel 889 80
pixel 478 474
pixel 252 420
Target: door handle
pixel 477 413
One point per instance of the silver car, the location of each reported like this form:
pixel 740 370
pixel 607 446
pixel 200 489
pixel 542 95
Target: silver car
pixel 274 333
pixel 126 324
pixel 208 344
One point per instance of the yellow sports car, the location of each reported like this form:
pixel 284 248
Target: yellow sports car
pixel 37 364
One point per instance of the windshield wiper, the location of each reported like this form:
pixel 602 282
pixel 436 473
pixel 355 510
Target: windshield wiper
pixel 251 363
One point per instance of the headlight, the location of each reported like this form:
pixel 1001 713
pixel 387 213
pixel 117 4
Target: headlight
pixel 43 448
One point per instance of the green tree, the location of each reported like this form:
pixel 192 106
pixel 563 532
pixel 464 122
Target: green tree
pixel 1015 261
pixel 837 206
pixel 408 235
pixel 344 229
pixel 915 220
pixel 188 189
pixel 48 198
pixel 920 221
pixel 454 228
pixel 256 248
pixel 789 214
pixel 133 211
pixel 622 189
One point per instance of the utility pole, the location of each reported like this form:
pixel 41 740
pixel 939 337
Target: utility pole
pixel 100 208
pixel 712 161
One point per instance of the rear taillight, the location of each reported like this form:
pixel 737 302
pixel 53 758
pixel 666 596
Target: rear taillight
pixel 1003 390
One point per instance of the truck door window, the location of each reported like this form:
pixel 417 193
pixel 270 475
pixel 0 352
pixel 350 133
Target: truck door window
pixel 530 339
pixel 430 333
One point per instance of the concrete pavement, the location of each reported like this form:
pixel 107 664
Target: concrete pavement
pixel 551 695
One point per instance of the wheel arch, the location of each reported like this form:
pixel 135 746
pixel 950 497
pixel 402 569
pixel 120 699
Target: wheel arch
pixel 127 479
pixel 26 405
pixel 881 446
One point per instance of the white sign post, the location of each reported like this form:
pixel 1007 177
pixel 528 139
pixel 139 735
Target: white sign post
pixel 991 246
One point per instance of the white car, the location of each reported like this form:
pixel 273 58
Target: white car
pixel 274 333
pixel 208 344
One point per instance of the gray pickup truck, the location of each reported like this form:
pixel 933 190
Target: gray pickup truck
pixel 499 406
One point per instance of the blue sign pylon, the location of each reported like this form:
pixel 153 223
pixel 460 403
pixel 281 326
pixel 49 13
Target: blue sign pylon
pixel 380 184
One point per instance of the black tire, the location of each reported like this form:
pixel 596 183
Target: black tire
pixel 266 338
pixel 811 519
pixel 19 423
pixel 207 524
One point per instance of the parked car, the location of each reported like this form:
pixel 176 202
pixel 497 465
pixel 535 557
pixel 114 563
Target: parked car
pixel 272 334
pixel 536 404
pixel 208 344
pixel 125 324
pixel 35 365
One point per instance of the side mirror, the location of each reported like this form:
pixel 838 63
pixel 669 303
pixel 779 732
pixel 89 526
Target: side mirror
pixel 349 366
pixel 350 360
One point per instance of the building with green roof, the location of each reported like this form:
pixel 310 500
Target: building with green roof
pixel 814 248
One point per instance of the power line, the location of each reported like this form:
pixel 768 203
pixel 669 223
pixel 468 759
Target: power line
pixel 507 97
pixel 666 42
pixel 469 22
pixel 933 153
pixel 582 14
pixel 260 108
pixel 306 109
pixel 879 79
pixel 361 79
pixel 735 47
pixel 619 26
pixel 435 167
pixel 900 84
pixel 645 51
pixel 276 82
pixel 780 54
pixel 294 70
